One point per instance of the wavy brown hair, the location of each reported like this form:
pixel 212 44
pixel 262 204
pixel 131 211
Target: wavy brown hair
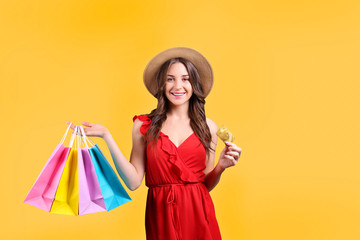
pixel 196 105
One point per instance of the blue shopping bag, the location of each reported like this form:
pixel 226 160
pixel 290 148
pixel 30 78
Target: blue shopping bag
pixel 112 190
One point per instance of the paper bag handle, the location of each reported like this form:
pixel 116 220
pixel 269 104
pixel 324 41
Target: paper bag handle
pixel 85 138
pixel 67 130
pixel 73 137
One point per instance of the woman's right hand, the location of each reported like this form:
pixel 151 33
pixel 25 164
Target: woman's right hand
pixel 93 129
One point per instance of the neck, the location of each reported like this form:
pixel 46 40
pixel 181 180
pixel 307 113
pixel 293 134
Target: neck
pixel 179 112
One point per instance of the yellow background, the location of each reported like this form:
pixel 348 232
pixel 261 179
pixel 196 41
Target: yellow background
pixel 286 84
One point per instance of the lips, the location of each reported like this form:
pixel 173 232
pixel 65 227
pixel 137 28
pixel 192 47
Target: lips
pixel 178 94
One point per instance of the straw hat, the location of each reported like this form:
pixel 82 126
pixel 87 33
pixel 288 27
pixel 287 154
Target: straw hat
pixel 202 65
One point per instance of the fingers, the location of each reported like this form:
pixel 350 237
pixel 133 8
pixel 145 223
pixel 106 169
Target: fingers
pixel 91 129
pixel 87 124
pixel 229 144
pixel 90 132
pixel 233 147
pixel 236 150
pixel 235 155
pixel 72 125
pixel 231 159
pixel 87 131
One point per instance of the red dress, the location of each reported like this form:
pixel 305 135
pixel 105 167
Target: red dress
pixel 179 206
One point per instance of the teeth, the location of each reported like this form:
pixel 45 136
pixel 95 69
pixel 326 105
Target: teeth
pixel 176 94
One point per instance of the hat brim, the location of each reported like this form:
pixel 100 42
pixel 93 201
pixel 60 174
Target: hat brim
pixel 200 62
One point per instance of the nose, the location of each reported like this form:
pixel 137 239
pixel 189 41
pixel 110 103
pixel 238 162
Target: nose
pixel 178 83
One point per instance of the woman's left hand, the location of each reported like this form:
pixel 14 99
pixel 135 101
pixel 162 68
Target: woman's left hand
pixel 230 155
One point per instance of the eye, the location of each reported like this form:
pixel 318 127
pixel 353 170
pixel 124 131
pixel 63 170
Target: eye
pixel 170 79
pixel 186 79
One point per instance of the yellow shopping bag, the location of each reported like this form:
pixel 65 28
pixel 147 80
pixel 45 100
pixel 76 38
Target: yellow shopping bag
pixel 67 195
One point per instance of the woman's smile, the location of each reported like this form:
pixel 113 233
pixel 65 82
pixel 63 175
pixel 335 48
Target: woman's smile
pixel 178 95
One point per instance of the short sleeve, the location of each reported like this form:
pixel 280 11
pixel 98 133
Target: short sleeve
pixel 146 122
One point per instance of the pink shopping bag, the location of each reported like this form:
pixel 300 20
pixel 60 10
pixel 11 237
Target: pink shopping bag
pixel 42 193
pixel 90 197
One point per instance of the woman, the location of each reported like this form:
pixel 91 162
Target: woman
pixel 175 145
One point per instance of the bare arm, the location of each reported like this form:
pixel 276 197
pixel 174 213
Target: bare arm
pixel 228 157
pixel 212 175
pixel 131 172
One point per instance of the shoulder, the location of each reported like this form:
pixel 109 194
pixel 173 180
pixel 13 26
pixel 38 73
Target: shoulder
pixel 141 123
pixel 212 125
pixel 141 118
pixel 137 123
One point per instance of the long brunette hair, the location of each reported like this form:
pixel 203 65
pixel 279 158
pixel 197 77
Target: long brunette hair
pixel 196 105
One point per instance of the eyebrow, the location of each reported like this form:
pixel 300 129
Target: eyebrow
pixel 174 76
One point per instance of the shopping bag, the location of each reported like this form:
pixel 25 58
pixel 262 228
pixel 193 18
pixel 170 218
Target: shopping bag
pixel 90 197
pixel 77 181
pixel 42 193
pixel 113 192
pixel 66 199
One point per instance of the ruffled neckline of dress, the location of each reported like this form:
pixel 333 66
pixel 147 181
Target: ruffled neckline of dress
pixel 179 166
